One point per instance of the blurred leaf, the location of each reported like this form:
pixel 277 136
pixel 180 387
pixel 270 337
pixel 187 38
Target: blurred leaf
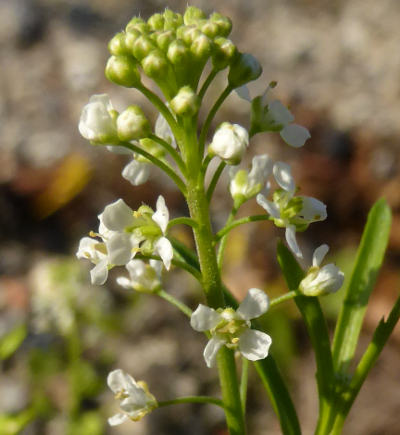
pixel 12 341
pixel 368 263
pixel 89 423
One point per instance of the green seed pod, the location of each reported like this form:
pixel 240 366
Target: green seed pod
pixel 192 15
pixel 123 71
pixel 155 65
pixel 137 24
pixel 142 47
pixel 132 124
pixel 164 39
pixel 178 53
pixel 224 23
pixel 156 22
pixel 202 47
pixel 223 53
pixel 172 20
pixel 244 69
pixel 117 45
pixel 186 102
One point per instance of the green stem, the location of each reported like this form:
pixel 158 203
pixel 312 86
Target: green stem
pixel 171 150
pixel 207 83
pixel 243 383
pixel 210 117
pixel 231 225
pixel 214 180
pixel 175 302
pixel 286 297
pixel 191 399
pixel 182 221
pixel 163 166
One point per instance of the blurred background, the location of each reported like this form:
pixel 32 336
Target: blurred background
pixel 337 64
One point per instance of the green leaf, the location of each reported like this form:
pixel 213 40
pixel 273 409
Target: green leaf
pixel 12 341
pixel 369 260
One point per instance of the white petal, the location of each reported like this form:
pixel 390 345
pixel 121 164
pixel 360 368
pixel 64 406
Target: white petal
pixel 313 209
pixel 295 135
pixel 103 99
pixel 116 149
pixel 119 249
pixel 157 266
pixel 124 282
pixel 254 304
pixel 211 350
pixel 136 172
pixel 204 318
pixel 164 249
pixel 243 92
pixel 290 235
pixel 99 274
pixel 283 176
pixel 117 419
pixel 86 248
pixel 319 255
pixel 261 169
pixel 117 216
pixel 163 130
pixel 161 216
pixel 116 380
pixel 271 208
pixel 254 345
pixel 280 113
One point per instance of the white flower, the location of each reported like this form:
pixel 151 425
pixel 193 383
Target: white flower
pixel 232 328
pixel 229 143
pixel 96 252
pixel 163 130
pixel 162 246
pixel 135 399
pixel 293 134
pixel 136 172
pixel 245 185
pixel 289 211
pixel 97 122
pixel 321 280
pixel 142 277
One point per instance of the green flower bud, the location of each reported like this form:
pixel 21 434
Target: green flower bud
pixel 151 147
pixel 123 71
pixel 155 65
pixel 137 24
pixel 142 47
pixel 202 47
pixel 132 124
pixel 156 22
pixel 172 20
pixel 186 102
pixel 164 39
pixel 178 53
pixel 117 45
pixel 188 34
pixel 210 29
pixel 224 23
pixel 192 15
pixel 130 38
pixel 224 53
pixel 244 69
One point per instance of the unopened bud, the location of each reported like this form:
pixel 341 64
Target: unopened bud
pixel 178 53
pixel 142 47
pixel 130 38
pixel 188 34
pixel 164 39
pixel 155 65
pixel 244 69
pixel 156 22
pixel 132 124
pixel 224 23
pixel 229 143
pixel 186 102
pixel 321 281
pixel 192 15
pixel 210 29
pixel 223 53
pixel 117 45
pixel 123 71
pixel 172 20
pixel 137 24
pixel 201 47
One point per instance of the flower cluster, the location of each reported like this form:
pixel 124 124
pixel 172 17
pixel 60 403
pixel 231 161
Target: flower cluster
pixel 123 233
